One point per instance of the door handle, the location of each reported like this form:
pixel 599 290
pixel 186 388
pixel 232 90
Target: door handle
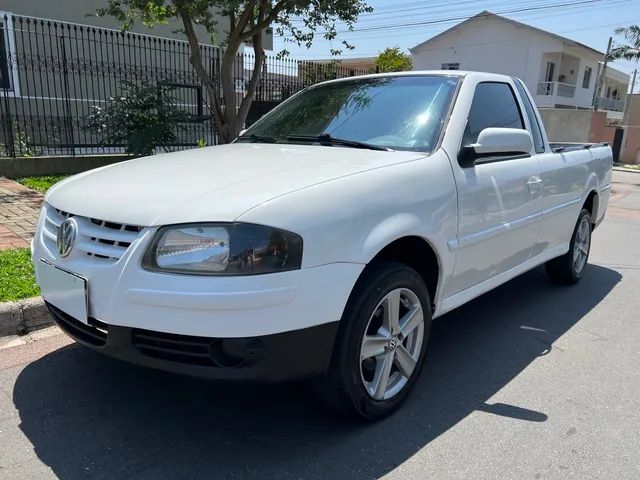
pixel 534 183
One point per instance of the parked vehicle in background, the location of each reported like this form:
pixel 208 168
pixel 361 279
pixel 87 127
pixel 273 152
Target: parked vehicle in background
pixel 325 239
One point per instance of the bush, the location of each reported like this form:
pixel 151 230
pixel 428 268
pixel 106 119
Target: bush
pixel 142 119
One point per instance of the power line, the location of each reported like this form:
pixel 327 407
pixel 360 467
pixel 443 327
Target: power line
pixel 593 27
pixel 466 17
pixel 527 17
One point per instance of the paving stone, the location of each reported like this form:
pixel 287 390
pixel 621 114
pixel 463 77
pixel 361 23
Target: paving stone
pixel 19 210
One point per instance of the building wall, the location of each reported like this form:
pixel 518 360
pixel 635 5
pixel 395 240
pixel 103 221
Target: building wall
pixel 564 125
pixel 82 12
pixel 587 126
pixel 584 96
pixel 631 145
pixel 495 46
pixel 634 110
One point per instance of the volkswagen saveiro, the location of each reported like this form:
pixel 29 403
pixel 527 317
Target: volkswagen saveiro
pixel 325 239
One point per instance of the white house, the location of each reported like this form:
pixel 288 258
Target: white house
pixel 560 72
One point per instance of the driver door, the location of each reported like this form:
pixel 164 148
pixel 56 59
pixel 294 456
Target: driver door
pixel 499 197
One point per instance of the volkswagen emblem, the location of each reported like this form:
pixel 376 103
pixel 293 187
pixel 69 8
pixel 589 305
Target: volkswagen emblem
pixel 66 237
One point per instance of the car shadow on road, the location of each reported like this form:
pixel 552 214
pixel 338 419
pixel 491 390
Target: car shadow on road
pixel 90 416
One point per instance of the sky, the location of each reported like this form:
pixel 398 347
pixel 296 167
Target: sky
pixel 591 22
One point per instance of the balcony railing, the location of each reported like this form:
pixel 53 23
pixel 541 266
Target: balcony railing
pixel 556 89
pixel 610 104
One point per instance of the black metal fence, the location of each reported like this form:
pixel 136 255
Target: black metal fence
pixel 53 74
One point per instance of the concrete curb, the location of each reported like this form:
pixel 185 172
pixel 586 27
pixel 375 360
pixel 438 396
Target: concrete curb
pixel 629 170
pixel 19 318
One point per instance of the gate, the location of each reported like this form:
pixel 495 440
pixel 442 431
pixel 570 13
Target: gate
pixel 617 143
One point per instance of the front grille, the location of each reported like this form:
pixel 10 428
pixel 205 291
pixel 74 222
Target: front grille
pixel 94 334
pixel 173 347
pixel 100 239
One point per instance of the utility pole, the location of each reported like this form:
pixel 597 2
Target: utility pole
pixel 627 103
pixel 600 83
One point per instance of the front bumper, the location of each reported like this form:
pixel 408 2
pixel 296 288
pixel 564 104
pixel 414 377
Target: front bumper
pixel 270 358
pixel 265 327
pixel 122 294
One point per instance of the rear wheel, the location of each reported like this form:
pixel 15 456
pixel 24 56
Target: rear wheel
pixel 569 268
pixel 381 343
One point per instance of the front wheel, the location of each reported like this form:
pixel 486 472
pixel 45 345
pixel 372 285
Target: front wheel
pixel 381 342
pixel 569 268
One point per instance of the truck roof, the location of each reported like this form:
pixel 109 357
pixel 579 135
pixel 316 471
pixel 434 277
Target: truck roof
pixel 414 73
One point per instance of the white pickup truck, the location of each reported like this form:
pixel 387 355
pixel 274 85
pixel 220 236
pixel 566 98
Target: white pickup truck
pixel 323 241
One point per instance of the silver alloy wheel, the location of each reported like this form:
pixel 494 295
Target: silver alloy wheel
pixel 392 344
pixel 581 246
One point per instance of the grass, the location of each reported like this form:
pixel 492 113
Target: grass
pixel 41 184
pixel 17 280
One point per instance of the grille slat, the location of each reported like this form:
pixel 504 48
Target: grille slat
pixel 102 240
pixel 86 333
pixel 156 338
pixel 90 229
pixel 174 351
pixel 175 348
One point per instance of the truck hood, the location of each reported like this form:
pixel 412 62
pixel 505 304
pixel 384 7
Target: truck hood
pixel 209 184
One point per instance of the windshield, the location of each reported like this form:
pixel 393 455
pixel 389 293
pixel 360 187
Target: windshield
pixel 400 113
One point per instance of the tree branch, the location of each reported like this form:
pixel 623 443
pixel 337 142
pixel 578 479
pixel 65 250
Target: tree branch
pixel 245 17
pixel 196 61
pixel 247 100
pixel 268 20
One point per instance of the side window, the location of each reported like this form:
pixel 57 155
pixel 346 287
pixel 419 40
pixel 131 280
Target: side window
pixel 493 105
pixel 529 108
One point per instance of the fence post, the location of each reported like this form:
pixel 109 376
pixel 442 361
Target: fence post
pixel 5 107
pixel 67 100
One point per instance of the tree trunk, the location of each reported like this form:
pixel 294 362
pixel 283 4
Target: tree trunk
pixel 229 117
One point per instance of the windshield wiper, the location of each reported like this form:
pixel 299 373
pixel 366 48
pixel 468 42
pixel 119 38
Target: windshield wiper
pixel 327 140
pixel 257 138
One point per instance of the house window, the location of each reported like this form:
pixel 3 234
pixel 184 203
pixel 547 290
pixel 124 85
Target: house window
pixel 8 72
pixel 5 82
pixel 586 80
pixel 451 66
pixel 548 74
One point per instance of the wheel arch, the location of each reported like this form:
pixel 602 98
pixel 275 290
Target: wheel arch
pixel 591 203
pixel 418 253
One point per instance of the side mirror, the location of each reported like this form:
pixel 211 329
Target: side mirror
pixel 497 142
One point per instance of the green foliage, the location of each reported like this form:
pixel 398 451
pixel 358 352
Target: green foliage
pixel 297 21
pixel 202 143
pixel 17 280
pixel 22 145
pixel 142 118
pixel 393 59
pixel 631 51
pixel 41 184
pixel 320 72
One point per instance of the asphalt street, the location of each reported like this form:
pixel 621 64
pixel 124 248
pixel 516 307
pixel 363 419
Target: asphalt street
pixel 530 381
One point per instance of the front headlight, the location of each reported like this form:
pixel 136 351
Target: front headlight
pixel 223 249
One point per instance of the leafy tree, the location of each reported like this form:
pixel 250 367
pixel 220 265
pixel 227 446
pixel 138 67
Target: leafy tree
pixel 393 59
pixel 141 117
pixel 628 52
pixel 300 20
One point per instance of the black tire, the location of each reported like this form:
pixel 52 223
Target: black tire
pixel 562 270
pixel 343 386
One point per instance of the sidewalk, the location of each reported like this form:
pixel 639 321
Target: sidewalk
pixel 19 209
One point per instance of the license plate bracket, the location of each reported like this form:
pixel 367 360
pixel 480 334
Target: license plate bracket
pixel 64 290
